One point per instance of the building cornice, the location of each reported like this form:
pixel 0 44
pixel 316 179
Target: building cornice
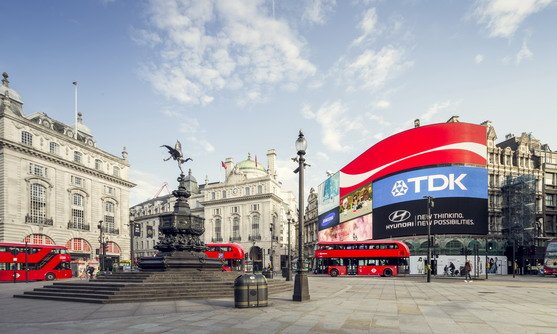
pixel 240 199
pixel 62 162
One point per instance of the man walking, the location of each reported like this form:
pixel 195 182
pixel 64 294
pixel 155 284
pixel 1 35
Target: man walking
pixel 467 269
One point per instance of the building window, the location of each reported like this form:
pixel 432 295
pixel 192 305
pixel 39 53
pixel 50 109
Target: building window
pixel 98 164
pixel 77 181
pixel 236 228
pixel 247 191
pixel 78 212
pixel 224 194
pixel 54 148
pixel 77 156
pixel 216 212
pixel 213 195
pixel 26 138
pixel 38 203
pixel 116 171
pixel 255 207
pixel 109 190
pixel 218 234
pixel 260 189
pixel 255 225
pixel 549 200
pixel 109 217
pixel 234 209
pixel 549 179
pixel 37 170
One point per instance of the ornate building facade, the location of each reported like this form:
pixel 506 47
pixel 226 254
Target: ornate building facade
pixel 57 186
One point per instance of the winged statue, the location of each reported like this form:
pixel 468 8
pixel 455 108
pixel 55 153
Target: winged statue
pixel 176 154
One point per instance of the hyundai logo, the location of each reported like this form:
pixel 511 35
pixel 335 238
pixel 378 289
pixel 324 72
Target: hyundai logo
pixel 399 216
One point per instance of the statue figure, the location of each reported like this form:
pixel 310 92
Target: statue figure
pixel 176 154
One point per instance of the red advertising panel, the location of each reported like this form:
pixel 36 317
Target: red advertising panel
pixel 445 143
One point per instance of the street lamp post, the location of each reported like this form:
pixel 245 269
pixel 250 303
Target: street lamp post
pixel 101 246
pixel 289 259
pixel 271 253
pixel 301 285
pixel 132 232
pixel 430 205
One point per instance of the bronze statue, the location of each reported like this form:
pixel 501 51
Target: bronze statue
pixel 176 154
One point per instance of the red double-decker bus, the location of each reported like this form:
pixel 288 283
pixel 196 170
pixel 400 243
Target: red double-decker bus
pixel 232 255
pixel 33 262
pixel 550 260
pixel 381 258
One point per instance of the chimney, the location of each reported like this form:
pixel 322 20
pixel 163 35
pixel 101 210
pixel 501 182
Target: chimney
pixel 271 158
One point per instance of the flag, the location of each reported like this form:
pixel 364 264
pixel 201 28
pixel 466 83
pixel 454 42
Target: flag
pixel 222 164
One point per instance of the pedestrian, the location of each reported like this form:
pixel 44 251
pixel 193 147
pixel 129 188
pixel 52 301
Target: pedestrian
pixel 446 271
pixel 90 271
pixel 467 270
pixel 83 273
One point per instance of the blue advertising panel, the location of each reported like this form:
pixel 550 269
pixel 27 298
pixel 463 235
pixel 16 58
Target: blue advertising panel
pixel 439 182
pixel 460 202
pixel 328 219
pixel 328 194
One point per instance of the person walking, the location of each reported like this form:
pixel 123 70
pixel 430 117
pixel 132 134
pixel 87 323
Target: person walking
pixel 467 270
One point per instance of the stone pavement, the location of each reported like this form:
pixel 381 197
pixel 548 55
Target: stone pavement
pixel 500 304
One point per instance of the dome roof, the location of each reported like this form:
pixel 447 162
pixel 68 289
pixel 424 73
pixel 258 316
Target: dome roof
pixel 5 88
pixel 251 167
pixel 190 177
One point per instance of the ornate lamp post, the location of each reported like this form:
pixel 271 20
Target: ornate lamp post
pixel 101 246
pixel 301 285
pixel 430 205
pixel 289 257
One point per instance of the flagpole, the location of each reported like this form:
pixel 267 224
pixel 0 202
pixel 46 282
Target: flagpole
pixel 75 109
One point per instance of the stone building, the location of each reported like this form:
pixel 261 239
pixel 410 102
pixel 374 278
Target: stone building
pixel 56 185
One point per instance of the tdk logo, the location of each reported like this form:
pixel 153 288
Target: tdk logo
pixel 432 183
pixel 400 188
pixel 399 216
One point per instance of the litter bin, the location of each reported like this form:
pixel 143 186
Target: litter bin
pixel 250 290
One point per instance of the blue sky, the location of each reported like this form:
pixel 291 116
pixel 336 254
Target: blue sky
pixel 228 78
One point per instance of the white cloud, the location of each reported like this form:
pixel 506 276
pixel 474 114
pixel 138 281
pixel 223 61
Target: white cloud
pixel 147 186
pixel 190 127
pixel 334 124
pixel 479 59
pixel 322 156
pixel 371 70
pixel 379 119
pixel 367 25
pixel 503 17
pixel 438 108
pixel 316 11
pixel 382 104
pixel 205 47
pixel 524 53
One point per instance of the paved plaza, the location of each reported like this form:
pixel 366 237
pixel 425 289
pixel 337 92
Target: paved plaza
pixel 501 304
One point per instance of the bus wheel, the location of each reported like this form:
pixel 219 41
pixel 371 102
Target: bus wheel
pixel 50 277
pixel 388 272
pixel 334 273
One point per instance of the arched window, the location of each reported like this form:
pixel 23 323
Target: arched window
pixel 38 203
pixel 236 228
pixel 39 239
pixel 109 217
pixel 78 211
pixel 255 225
pixel 26 138
pixel 218 233
pixel 453 247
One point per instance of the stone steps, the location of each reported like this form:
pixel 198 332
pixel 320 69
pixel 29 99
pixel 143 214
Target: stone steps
pixel 141 287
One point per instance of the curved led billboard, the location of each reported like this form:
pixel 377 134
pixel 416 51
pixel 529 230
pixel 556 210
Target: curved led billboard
pixel 446 143
pixel 400 170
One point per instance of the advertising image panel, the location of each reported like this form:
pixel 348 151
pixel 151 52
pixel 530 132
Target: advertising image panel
pixel 356 229
pixel 445 143
pixel 328 194
pixel 355 204
pixel 459 193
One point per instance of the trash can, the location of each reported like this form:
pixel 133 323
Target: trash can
pixel 250 290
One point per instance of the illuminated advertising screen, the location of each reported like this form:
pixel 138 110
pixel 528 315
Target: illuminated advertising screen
pixel 356 229
pixel 445 143
pixel 328 194
pixel 460 202
pixel 328 219
pixel 357 203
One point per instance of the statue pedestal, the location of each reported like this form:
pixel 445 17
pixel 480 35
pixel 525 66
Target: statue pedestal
pixel 180 260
